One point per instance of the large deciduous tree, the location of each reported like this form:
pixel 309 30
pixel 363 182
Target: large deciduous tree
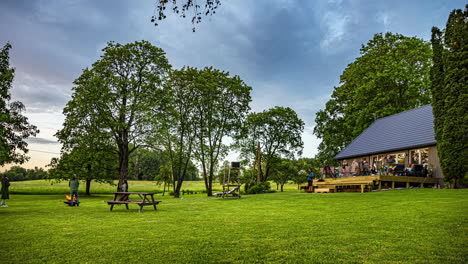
pixel 14 126
pixel 222 102
pixel 390 76
pixel 278 133
pixel 176 132
pixel 115 100
pixel 449 77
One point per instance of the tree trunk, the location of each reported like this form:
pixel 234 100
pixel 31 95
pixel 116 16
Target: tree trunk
pixel 88 186
pixel 178 186
pixel 123 165
pixel 282 187
pixel 209 190
pixel 259 164
pixel 205 177
pixel 267 172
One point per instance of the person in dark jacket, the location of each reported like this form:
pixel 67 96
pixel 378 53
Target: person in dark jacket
pixel 5 191
pixel 74 184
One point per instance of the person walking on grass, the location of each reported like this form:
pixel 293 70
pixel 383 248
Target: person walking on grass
pixel 74 184
pixel 5 191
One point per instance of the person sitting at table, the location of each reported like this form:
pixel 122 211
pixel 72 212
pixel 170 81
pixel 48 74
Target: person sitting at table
pixel 409 170
pixel 365 166
pixel 374 168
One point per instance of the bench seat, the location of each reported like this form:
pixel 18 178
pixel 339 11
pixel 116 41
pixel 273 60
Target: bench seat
pixel 132 202
pixel 127 202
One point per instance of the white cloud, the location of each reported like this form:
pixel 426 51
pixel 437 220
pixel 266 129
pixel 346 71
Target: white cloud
pixel 336 28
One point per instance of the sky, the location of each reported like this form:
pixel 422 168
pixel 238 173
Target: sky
pixel 291 52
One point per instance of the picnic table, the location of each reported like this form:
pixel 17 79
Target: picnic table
pixel 123 198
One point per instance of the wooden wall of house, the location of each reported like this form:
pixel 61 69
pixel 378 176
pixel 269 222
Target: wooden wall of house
pixel 433 157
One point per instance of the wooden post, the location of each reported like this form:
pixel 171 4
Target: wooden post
pixel 380 185
pixel 422 184
pixel 393 185
pixel 407 185
pixel 362 188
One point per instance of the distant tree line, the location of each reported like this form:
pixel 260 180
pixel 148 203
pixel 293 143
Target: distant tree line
pixel 17 173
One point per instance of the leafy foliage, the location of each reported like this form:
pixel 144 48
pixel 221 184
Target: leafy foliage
pixel 144 164
pixel 277 130
pixel 14 126
pixel 263 187
pixel 183 7
pixel 390 76
pixel 283 171
pixel 450 95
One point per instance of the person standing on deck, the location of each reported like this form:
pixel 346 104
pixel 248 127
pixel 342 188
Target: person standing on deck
pixel 74 184
pixel 4 190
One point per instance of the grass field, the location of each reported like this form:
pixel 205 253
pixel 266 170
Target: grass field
pixel 406 226
pixel 48 187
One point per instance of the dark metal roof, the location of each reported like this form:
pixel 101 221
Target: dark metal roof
pixel 410 129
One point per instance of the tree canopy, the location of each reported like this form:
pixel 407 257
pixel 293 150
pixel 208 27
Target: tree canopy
pixel 14 126
pixel 449 77
pixel 390 76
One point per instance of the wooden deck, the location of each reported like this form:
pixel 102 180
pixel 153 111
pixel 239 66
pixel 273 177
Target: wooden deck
pixel 373 182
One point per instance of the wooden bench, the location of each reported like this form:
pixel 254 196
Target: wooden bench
pixel 123 198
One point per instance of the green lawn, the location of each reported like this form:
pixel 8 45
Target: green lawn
pixel 406 226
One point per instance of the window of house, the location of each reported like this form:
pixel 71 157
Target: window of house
pixel 419 156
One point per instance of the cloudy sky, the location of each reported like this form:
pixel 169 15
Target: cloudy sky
pixel 291 52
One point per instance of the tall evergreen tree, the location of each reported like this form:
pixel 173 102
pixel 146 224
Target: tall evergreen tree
pixel 450 95
pixel 14 126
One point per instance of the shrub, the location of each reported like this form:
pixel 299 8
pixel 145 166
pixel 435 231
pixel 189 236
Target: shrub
pixel 263 187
